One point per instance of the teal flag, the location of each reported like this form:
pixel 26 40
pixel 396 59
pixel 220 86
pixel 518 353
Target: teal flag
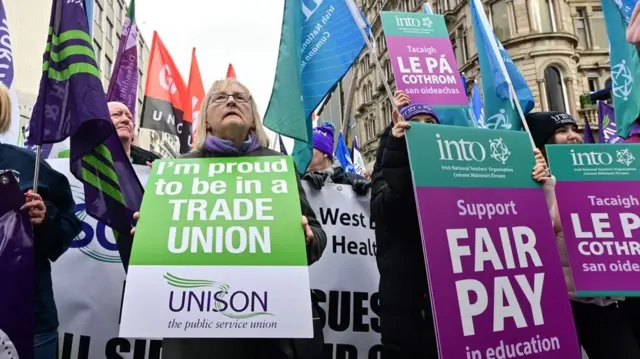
pixel 320 41
pixel 286 108
pixel 499 76
pixel 625 69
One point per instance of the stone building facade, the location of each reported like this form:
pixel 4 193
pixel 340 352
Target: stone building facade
pixel 560 46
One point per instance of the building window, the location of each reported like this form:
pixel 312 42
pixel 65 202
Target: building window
pixel 388 112
pixel 97 14
pixel 457 51
pixel 108 64
pixel 598 29
pixel 109 31
pixel 464 49
pixel 545 15
pixel 555 89
pixel 98 51
pixel 582 32
pixel 387 70
pixel 119 14
pixel 370 90
pixel 500 19
pixel 593 82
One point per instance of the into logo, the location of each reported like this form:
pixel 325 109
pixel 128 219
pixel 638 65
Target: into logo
pixel 413 22
pixel 625 157
pixel 472 151
pixel 209 296
pixel 593 158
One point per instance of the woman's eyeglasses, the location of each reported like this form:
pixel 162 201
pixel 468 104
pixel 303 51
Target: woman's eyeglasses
pixel 222 97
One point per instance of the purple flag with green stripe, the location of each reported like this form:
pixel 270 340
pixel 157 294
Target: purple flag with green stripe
pixel 71 103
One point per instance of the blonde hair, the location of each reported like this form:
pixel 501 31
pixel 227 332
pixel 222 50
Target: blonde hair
pixel 5 109
pixel 201 135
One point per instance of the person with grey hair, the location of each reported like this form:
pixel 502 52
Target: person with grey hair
pixel 125 127
pixel 229 126
pixel 55 225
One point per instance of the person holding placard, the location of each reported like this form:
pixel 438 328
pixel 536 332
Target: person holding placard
pixel 603 330
pixel 407 327
pixel 55 225
pixel 234 128
pixel 322 168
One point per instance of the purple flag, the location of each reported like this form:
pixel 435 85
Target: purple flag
pixel 354 147
pixel 283 149
pixel 17 311
pixel 124 79
pixel 588 135
pixel 71 102
pixel 607 124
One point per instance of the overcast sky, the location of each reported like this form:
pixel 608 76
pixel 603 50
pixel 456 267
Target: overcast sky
pixel 245 33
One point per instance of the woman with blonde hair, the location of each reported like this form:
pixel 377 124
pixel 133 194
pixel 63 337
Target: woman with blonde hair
pixel 54 222
pixel 229 125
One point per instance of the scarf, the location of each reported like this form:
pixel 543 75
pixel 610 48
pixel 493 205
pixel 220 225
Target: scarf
pixel 218 145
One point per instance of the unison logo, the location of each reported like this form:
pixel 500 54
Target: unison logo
pixel 472 151
pixel 592 158
pixel 209 296
pixel 104 248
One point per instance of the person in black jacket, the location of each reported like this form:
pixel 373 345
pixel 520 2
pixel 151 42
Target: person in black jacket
pixel 322 168
pixel 124 123
pixel 54 222
pixel 405 313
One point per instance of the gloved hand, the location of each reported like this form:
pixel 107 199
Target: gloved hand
pixel 361 187
pixel 316 179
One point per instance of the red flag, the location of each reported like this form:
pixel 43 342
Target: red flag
pixel 166 103
pixel 231 73
pixel 196 92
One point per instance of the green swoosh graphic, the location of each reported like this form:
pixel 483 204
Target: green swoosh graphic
pixel 187 283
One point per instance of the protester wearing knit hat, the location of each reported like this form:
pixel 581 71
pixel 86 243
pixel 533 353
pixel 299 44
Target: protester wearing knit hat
pixel 552 128
pixel 322 168
pixel 602 328
pixel 419 112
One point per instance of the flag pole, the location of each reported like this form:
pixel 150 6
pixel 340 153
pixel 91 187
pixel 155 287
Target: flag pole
pixel 36 170
pixel 521 113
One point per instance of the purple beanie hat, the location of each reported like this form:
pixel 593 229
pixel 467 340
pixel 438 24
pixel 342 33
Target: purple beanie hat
pixel 323 138
pixel 413 109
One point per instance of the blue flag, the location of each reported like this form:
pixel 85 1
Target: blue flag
pixel 71 103
pixel 343 155
pixel 625 70
pixel 499 74
pixel 88 5
pixel 626 8
pixel 477 107
pixel 321 40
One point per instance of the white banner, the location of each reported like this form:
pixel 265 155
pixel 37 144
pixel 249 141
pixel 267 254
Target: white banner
pixel 88 282
pixel 346 277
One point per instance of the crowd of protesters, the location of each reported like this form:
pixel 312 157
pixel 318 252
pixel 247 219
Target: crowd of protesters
pixel 233 128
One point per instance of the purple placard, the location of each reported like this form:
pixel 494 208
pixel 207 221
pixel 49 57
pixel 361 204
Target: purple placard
pixel 542 330
pixel 425 68
pixel 17 276
pixel 602 230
